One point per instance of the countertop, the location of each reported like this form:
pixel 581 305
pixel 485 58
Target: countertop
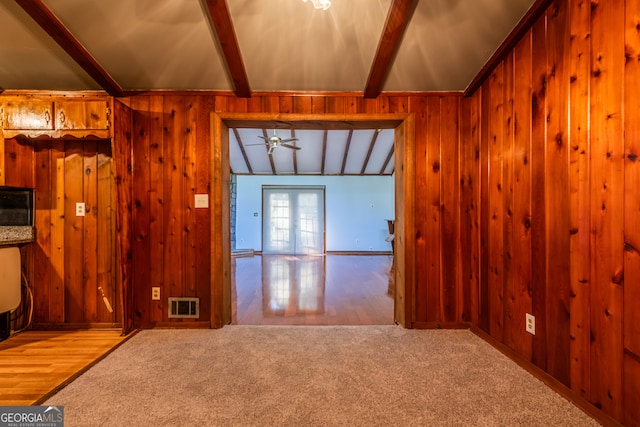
pixel 16 235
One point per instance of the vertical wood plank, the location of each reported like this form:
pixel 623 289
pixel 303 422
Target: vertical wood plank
pixel 472 148
pixel 122 150
pixel 632 181
pixel 203 216
pixel 579 195
pixel 521 248
pixel 142 201
pixel 286 103
pixel 19 160
pixel 156 208
pixel 496 203
pixel 483 308
pixel 42 255
pixel 538 179
pixel 318 104
pixel 109 299
pixel 511 319
pixel 632 216
pixel 90 232
pixel 301 104
pixel 189 190
pixel 173 198
pixel 607 207
pixel 57 289
pixel 433 234
pixel 557 196
pixel 73 233
pixel 450 200
pixel 418 106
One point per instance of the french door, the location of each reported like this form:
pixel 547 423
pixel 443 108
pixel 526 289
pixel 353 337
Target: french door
pixel 293 219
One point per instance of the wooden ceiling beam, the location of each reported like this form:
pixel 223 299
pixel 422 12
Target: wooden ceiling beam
pixel 387 160
pixel 242 150
pixel 220 20
pixel 372 144
pixel 400 13
pixel 324 150
pixel 346 152
pixel 46 19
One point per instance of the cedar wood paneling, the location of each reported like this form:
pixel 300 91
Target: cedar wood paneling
pixel 559 200
pixel 543 219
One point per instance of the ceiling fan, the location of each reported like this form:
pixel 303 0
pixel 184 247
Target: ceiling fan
pixel 275 141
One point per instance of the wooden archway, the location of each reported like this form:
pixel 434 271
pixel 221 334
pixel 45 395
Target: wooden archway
pixel 404 148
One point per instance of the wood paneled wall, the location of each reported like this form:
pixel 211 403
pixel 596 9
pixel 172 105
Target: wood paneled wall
pixel 555 132
pixel 71 266
pixel 171 247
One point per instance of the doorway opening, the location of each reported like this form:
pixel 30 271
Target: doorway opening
pixel 403 129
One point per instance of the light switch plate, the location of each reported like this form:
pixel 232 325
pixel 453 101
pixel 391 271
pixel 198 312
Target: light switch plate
pixel 202 201
pixel 80 209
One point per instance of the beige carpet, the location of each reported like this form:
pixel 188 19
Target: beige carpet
pixel 311 376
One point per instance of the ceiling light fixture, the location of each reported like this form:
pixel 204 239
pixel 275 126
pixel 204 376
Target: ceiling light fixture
pixel 320 4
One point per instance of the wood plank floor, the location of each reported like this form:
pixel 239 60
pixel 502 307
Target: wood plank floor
pixel 311 290
pixel 34 363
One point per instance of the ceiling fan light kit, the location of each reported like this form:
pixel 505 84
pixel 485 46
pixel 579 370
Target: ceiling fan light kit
pixel 320 4
pixel 275 141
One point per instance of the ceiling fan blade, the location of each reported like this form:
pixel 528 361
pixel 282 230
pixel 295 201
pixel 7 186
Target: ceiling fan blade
pixel 262 144
pixel 289 140
pixel 265 139
pixel 291 146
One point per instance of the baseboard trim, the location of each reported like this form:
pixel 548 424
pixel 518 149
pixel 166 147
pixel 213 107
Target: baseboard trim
pixel 181 325
pixel 560 388
pixel 74 326
pixel 363 253
pixel 440 325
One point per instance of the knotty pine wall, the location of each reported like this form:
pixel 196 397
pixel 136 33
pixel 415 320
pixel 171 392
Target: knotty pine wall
pixel 555 130
pixel 170 146
pixel 71 266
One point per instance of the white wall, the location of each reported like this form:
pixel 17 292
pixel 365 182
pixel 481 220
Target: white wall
pixel 357 209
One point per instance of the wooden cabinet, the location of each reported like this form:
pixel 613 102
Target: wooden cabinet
pixel 56 116
pixel 27 114
pixel 82 114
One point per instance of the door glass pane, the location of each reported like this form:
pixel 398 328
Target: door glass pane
pixel 308 223
pixel 293 220
pixel 280 213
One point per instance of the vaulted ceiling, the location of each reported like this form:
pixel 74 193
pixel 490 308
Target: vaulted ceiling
pixel 251 46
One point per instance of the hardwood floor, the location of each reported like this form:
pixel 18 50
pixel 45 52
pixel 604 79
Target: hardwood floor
pixel 33 364
pixel 311 290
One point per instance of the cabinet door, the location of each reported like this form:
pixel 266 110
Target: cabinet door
pixel 27 114
pixel 82 114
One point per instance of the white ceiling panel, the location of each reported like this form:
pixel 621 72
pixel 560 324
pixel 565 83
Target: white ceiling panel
pixel 289 45
pixel 147 44
pixel 310 156
pixel 447 42
pixel 31 60
pixel 336 144
pixel 360 143
pixel 380 152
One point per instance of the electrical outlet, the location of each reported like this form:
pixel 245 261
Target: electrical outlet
pixel 530 325
pixel 155 293
pixel 80 209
